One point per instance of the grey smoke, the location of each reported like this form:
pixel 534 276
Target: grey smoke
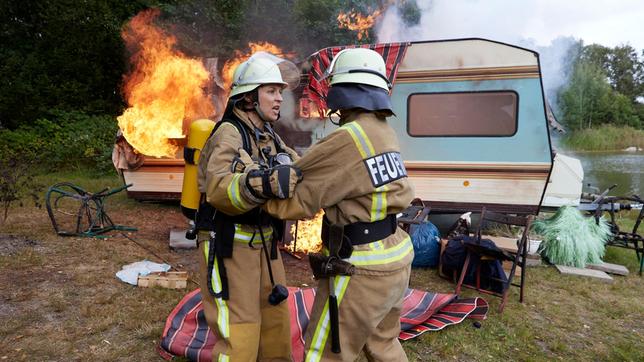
pixel 498 20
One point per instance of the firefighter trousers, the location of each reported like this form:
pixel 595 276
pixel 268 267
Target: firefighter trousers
pixel 247 327
pixel 370 303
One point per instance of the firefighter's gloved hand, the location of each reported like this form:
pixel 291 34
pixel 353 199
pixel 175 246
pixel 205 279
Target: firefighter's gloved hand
pixel 273 183
pixel 283 180
pixel 243 162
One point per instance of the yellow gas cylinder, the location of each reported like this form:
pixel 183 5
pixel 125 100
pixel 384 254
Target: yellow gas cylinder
pixel 197 136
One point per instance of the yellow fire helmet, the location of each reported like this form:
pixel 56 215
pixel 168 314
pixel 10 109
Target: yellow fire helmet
pixel 358 65
pixel 262 68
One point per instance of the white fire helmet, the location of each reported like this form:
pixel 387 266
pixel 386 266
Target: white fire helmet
pixel 262 68
pixel 358 65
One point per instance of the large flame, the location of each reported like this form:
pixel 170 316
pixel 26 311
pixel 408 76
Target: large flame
pixel 239 57
pixel 164 89
pixel 355 21
pixel 308 234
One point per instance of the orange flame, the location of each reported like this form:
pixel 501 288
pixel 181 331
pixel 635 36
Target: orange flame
pixel 308 235
pixel 164 89
pixel 309 109
pixel 240 57
pixel 358 22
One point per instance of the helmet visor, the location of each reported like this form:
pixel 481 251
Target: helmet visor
pixel 288 70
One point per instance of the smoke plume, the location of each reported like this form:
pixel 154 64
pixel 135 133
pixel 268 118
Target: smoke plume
pixel 498 20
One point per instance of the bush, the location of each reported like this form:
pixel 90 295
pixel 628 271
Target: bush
pixel 604 138
pixel 71 140
pixel 16 183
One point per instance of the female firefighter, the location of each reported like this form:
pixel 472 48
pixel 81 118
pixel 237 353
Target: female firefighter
pixel 244 163
pixel 357 176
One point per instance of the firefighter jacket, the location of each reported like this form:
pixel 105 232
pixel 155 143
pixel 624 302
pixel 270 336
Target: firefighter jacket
pixel 355 174
pixel 225 189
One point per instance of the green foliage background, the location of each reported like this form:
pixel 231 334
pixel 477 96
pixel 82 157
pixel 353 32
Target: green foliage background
pixel 606 87
pixel 65 140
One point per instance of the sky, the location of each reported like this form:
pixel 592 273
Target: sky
pixel 609 23
pixel 537 22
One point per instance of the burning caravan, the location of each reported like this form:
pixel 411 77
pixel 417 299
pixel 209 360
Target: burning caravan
pixel 470 118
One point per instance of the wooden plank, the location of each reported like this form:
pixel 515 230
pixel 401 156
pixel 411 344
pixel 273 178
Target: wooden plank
pixel 171 280
pixel 609 268
pixel 507 244
pixel 569 270
pixel 153 180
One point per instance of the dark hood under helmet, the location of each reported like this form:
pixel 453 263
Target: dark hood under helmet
pixel 355 95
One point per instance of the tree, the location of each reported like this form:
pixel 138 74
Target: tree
pixel 206 28
pixel 622 66
pixel 589 100
pixel 59 55
pixel 409 12
pixel 317 26
pixel 606 86
pixel 585 100
pixel 216 29
pixel 622 112
pixel 626 72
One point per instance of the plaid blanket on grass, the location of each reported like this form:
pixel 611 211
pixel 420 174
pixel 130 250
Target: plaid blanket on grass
pixel 186 332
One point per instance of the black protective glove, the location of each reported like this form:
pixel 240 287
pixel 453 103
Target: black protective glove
pixel 273 183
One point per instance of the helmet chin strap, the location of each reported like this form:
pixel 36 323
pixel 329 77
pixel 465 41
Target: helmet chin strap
pixel 261 114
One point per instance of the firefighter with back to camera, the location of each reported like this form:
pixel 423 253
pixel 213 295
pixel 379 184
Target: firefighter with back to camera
pixel 357 176
pixel 243 164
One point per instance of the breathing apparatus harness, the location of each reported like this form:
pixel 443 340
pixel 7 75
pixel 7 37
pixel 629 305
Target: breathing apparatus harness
pixel 222 226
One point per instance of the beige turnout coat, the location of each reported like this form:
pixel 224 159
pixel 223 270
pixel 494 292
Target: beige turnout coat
pixel 356 174
pixel 247 326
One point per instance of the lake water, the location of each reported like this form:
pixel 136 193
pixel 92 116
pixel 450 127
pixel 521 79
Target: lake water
pixel 603 169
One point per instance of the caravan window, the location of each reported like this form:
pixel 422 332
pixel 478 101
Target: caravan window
pixel 462 114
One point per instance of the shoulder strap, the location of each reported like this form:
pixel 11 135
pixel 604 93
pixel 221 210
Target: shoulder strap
pixel 240 128
pixel 277 141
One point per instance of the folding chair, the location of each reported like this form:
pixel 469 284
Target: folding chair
pixel 416 213
pixel 474 248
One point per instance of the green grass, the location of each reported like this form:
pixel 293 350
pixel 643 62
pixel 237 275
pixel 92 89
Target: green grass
pixel 604 138
pixel 562 317
pixel 61 300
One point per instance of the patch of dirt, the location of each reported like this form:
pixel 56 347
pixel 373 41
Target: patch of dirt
pixel 11 245
pixel 298 272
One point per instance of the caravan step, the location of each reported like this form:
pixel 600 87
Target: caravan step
pixel 585 273
pixel 609 268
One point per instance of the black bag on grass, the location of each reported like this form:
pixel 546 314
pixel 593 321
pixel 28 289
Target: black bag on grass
pixel 453 259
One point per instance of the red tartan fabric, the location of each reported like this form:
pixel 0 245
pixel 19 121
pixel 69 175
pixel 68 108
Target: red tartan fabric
pixel 433 312
pixel 314 94
pixel 186 332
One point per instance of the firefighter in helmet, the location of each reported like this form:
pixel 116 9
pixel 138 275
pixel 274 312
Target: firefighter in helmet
pixel 357 176
pixel 243 164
